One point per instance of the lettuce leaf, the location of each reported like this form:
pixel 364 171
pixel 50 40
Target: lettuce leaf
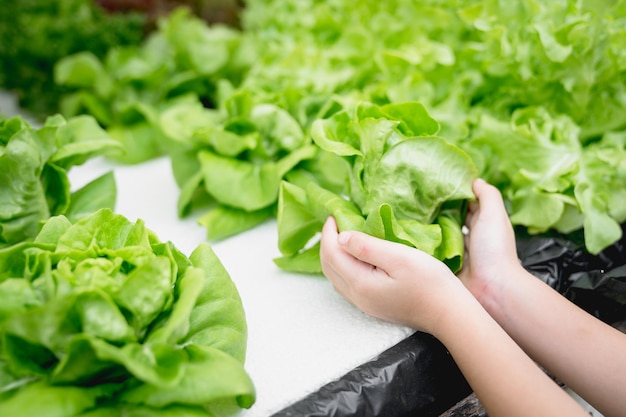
pixel 34 163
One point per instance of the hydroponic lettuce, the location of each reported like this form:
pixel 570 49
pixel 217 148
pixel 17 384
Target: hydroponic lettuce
pixel 550 180
pixel 403 184
pixel 100 318
pixel 34 165
pixel 35 34
pixel 235 156
pixel 533 69
pixel 487 71
pixel 176 94
pixel 128 89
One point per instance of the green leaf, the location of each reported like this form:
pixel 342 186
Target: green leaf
pixel 537 210
pixel 53 401
pixel 83 69
pixel 452 248
pixel 139 143
pixel 223 221
pixel 246 185
pixel 278 129
pixel 414 118
pixel 600 229
pixel 219 306
pixel 418 175
pixel 146 292
pixel 384 225
pixel 210 375
pixel 33 171
pixel 80 139
pixel 240 184
pixel 97 194
pixel 335 135
pixel 56 186
pixel 296 223
pixel 177 325
pixel 303 262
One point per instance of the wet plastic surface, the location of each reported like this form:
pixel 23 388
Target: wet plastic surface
pixel 418 377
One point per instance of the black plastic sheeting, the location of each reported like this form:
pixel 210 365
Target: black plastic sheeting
pixel 596 283
pixel 418 377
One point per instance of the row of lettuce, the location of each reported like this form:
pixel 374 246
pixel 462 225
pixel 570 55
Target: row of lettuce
pixel 313 98
pixel 35 34
pixel 378 113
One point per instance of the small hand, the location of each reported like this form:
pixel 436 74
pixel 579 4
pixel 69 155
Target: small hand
pixel 388 280
pixel 490 243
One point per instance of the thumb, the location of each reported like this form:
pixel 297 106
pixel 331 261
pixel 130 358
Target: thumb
pixel 386 255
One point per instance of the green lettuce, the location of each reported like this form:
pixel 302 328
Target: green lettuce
pixel 36 34
pixel 402 183
pixel 98 317
pixel 496 76
pixel 552 181
pixel 34 165
pixel 127 89
pixel 232 159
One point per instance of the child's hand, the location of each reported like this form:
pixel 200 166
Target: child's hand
pixel 388 280
pixel 490 244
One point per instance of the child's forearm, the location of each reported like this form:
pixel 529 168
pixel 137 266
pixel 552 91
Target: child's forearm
pixel 586 354
pixel 505 379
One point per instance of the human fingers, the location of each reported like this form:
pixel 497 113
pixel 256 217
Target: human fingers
pixel 329 250
pixel 490 240
pixel 341 267
pixel 391 257
pixel 489 202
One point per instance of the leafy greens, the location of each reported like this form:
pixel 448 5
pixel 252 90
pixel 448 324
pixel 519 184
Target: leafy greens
pixel 100 318
pixel 128 88
pixel 403 184
pixel 35 34
pixel 34 163
pixel 533 92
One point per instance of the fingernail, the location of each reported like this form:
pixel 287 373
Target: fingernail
pixel 343 238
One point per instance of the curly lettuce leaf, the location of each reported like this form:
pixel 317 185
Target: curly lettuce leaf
pixel 552 181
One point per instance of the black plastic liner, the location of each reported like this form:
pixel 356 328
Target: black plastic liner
pixel 418 377
pixel 596 283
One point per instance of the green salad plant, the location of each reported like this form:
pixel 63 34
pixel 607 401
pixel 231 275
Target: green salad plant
pixel 234 156
pixel 533 92
pixel 36 34
pixel 127 89
pixel 402 183
pixel 100 318
pixel 34 166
